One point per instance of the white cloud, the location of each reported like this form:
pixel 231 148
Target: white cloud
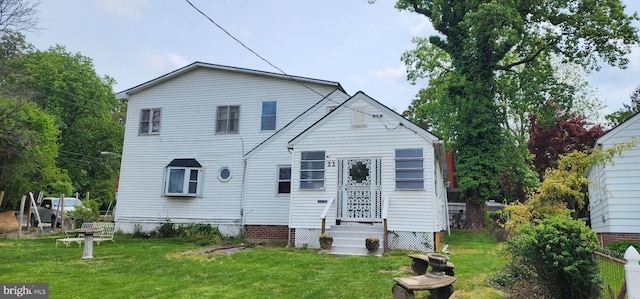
pixel 422 28
pixel 166 62
pixel 126 8
pixel 390 73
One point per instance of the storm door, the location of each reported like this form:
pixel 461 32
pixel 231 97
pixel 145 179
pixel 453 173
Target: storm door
pixel 359 190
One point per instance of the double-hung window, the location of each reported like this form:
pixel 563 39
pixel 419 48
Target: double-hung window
pixel 268 121
pixel 228 119
pixel 409 169
pixel 149 121
pixel 284 179
pixel 183 177
pixel 312 170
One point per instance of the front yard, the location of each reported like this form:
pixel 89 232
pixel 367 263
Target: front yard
pixel 164 268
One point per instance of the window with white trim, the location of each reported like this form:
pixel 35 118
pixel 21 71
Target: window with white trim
pixel 312 170
pixel 409 169
pixel 268 120
pixel 149 121
pixel 227 119
pixel 224 174
pixel 183 177
pixel 284 179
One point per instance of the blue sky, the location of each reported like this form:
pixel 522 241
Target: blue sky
pixel 349 41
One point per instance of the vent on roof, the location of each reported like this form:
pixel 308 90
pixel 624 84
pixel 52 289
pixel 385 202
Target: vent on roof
pixel 184 163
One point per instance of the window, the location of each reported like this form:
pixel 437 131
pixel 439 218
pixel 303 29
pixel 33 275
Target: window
pixel 149 121
pixel 183 178
pixel 228 119
pixel 284 179
pixel 268 121
pixel 312 170
pixel 409 169
pixel 224 175
pixel 359 117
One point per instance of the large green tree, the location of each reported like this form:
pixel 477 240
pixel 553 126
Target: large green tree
pixel 83 103
pixel 28 149
pixel 478 36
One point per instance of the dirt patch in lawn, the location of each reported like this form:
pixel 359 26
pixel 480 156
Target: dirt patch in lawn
pixel 221 249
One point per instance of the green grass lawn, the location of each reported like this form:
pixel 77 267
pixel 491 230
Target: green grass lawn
pixel 157 268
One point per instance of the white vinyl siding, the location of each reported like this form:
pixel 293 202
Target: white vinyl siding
pixel 149 121
pixel 269 113
pixel 614 190
pixel 189 106
pixel 409 210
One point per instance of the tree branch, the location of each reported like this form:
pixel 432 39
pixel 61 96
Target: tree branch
pixel 526 59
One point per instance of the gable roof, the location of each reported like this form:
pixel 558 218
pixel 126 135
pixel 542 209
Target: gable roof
pixel 168 76
pixel 615 130
pixel 328 98
pixel 402 121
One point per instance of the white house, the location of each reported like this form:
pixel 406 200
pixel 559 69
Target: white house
pixel 263 155
pixel 614 195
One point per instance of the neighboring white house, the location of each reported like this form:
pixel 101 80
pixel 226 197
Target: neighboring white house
pixel 614 195
pixel 261 154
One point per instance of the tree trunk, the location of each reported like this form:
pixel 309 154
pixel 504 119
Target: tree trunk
pixel 475 215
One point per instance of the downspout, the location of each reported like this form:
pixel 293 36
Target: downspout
pixel 243 192
pixel 290 150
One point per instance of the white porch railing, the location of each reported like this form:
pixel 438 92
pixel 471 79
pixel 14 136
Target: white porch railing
pixel 323 216
pixel 385 209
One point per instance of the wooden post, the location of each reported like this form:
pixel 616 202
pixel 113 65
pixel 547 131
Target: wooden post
pixel 24 197
pixel 324 222
pixel 61 211
pixel 1 198
pixel 86 196
pixel 385 244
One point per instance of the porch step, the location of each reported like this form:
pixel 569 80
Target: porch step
pixel 348 239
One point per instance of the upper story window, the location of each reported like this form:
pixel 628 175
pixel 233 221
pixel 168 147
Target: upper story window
pixel 312 170
pixel 409 169
pixel 149 121
pixel 359 116
pixel 268 121
pixel 183 177
pixel 228 119
pixel 284 179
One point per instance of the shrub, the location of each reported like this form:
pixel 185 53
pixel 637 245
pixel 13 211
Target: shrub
pixel 167 229
pixel 89 213
pixel 560 252
pixel 621 246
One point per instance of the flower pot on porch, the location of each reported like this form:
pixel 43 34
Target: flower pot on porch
pixel 372 244
pixel 325 241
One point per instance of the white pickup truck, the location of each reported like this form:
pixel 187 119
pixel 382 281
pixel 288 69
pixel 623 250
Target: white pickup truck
pixel 49 211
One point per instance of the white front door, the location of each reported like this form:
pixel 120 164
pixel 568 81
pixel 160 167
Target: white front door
pixel 359 191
